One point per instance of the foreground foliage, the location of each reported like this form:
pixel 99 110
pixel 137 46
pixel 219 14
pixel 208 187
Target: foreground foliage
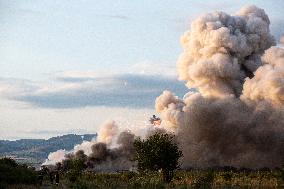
pixel 234 179
pixel 158 152
pixel 14 173
pixel 182 179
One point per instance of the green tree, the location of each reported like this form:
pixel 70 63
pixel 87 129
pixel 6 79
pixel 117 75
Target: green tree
pixel 74 168
pixel 158 152
pixel 13 173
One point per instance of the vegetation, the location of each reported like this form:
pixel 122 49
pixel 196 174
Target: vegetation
pixel 22 177
pixel 74 169
pixel 194 179
pixel 158 152
pixel 14 173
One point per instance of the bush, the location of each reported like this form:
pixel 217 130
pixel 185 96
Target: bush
pixel 14 173
pixel 158 152
pixel 72 175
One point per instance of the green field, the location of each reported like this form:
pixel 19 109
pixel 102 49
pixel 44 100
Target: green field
pixel 182 179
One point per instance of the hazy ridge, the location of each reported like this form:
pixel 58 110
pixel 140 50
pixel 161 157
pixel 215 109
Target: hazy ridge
pixel 37 150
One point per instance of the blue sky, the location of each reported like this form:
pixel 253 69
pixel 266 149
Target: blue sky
pixel 39 38
pixel 66 56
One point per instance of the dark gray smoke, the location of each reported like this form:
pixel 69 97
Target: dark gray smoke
pixel 106 158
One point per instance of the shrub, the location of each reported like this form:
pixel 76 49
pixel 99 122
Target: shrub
pixel 14 173
pixel 158 152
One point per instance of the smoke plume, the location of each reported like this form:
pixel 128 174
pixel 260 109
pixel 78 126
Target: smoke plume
pixel 104 158
pixel 236 118
pixel 112 150
pixel 220 50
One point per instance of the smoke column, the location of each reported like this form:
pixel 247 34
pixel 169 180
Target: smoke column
pixel 236 118
pixel 112 150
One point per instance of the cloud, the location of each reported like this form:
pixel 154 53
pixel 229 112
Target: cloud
pixel 117 16
pixel 10 87
pixel 55 132
pixel 113 16
pixel 81 89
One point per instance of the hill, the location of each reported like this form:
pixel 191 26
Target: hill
pixel 35 151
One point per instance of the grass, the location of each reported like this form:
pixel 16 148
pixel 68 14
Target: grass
pixel 182 180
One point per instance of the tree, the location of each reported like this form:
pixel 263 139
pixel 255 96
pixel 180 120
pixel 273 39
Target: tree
pixel 74 168
pixel 158 152
pixel 13 173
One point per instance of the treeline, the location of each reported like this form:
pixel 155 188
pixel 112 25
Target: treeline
pixel 157 166
pixel 64 142
pixel 13 173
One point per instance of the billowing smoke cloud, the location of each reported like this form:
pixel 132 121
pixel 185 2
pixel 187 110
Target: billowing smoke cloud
pixel 268 81
pixel 118 158
pixel 220 50
pixel 108 132
pixel 236 118
pixel 55 157
pixel 112 150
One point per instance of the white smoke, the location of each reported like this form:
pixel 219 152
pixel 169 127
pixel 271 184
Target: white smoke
pixel 86 146
pixel 268 81
pixel 236 118
pixel 55 157
pixel 221 50
pixel 107 133
pixel 169 106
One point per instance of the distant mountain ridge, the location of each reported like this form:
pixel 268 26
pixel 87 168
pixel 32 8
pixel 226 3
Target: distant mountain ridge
pixel 37 150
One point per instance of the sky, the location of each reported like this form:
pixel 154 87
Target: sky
pixel 66 66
